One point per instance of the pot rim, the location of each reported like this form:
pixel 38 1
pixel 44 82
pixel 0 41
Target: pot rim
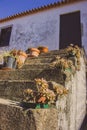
pixel 23 54
pixel 42 47
pixel 35 49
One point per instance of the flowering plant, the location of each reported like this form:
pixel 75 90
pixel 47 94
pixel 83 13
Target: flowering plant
pixel 59 89
pixel 65 65
pixel 68 65
pixel 75 51
pixel 43 94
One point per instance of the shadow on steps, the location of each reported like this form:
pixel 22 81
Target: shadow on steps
pixel 84 124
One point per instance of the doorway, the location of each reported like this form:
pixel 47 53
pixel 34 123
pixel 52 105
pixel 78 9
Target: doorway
pixel 70 30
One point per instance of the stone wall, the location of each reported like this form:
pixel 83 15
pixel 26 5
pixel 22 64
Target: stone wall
pixel 14 117
pixel 70 112
pixel 73 107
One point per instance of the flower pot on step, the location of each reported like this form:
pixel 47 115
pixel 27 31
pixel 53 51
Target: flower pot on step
pixel 9 63
pixel 34 52
pixel 43 49
pixel 21 57
pixel 34 105
pixel 42 105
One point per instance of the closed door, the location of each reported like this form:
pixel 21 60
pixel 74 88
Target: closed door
pixel 70 29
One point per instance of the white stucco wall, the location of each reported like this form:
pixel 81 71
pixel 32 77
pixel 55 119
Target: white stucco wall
pixel 42 28
pixel 72 108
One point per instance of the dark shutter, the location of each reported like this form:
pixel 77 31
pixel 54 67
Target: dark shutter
pixel 70 29
pixel 5 36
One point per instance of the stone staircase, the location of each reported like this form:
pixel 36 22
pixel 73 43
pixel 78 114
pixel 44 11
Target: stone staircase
pixel 13 82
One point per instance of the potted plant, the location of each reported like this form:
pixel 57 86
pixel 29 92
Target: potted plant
pixel 65 65
pixel 21 57
pixel 33 52
pixel 43 49
pixel 1 59
pixel 37 98
pixel 43 96
pixel 74 54
pixel 9 60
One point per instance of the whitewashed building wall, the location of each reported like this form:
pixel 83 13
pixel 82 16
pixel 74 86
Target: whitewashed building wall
pixel 42 28
pixel 72 108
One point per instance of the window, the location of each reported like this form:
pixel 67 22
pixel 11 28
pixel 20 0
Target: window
pixel 70 29
pixel 5 36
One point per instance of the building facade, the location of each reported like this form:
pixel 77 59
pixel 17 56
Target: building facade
pixel 55 25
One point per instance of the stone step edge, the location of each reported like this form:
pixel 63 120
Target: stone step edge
pixel 16 81
pixel 27 63
pixel 24 81
pixel 46 56
pixel 8 102
pixel 15 116
pixel 11 70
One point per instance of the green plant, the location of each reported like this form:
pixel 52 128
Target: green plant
pixel 59 89
pixel 43 94
pixel 12 53
pixel 75 51
pixel 65 65
pixel 1 57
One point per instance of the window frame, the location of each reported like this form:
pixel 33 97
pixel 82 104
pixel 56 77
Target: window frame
pixel 1 36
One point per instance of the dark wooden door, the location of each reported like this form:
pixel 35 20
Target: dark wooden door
pixel 70 29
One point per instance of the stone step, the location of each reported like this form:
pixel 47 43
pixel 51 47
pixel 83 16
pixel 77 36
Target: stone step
pixel 30 74
pixel 52 75
pixel 13 89
pixel 55 52
pixel 35 66
pixel 14 117
pixel 44 59
pixel 19 74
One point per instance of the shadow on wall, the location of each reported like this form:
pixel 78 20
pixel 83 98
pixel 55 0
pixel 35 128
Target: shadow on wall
pixel 84 124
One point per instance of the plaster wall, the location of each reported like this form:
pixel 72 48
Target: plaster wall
pixel 72 108
pixel 43 28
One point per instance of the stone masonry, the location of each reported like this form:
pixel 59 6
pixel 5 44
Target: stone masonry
pixel 70 111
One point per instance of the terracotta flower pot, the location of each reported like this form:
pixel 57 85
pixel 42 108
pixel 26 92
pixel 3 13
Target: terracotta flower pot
pixel 42 99
pixel 43 49
pixel 34 52
pixel 21 57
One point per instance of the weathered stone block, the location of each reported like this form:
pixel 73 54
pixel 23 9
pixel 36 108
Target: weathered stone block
pixel 14 117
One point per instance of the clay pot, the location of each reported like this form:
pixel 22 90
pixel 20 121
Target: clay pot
pixel 42 99
pixel 21 57
pixel 34 52
pixel 43 49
